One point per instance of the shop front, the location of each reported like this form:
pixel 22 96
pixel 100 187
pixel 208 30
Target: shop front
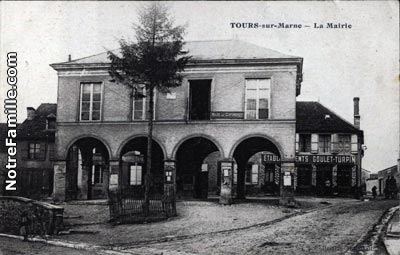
pixel 326 175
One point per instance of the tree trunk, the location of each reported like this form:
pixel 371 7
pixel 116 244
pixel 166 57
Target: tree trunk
pixel 149 152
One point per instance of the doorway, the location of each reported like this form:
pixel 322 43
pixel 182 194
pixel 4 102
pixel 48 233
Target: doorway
pixel 199 99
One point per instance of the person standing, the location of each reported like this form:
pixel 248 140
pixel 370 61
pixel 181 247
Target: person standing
pixel 386 190
pixel 392 187
pixel 374 192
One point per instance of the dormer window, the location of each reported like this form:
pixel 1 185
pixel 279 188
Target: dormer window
pixel 51 122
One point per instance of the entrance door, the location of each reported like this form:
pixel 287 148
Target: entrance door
pixel 199 103
pixel 324 173
pixel 344 179
pixel 201 185
pixel 271 182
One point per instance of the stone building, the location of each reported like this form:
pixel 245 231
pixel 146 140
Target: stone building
pixel 236 108
pixel 386 173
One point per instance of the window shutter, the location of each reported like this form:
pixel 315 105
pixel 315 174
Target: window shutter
pixel 42 151
pixel 334 143
pixel 314 143
pixel 354 144
pixel 297 142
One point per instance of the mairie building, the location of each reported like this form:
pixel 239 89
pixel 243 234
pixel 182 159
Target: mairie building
pixel 233 127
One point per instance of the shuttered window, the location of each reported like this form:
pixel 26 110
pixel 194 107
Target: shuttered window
pixel 344 143
pixel 305 142
pixel 325 143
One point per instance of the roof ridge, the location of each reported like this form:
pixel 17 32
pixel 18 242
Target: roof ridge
pixel 93 55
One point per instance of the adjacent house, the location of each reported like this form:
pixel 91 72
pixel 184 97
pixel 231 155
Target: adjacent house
pixel 35 151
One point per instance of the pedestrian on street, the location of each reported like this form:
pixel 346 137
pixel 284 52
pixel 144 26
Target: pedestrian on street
pixel 392 187
pixel 386 190
pixel 374 192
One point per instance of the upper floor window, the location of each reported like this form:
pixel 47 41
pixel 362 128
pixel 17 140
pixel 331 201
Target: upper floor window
pixel 305 142
pixel 141 106
pixel 35 151
pixel 344 143
pixel 325 143
pixel 90 105
pixel 258 93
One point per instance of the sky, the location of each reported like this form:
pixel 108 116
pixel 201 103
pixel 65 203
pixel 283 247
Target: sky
pixel 339 64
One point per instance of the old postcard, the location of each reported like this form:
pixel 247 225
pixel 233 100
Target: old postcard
pixel 253 127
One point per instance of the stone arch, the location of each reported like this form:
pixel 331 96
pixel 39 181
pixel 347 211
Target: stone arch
pixel 127 140
pixel 87 173
pixel 73 141
pixel 242 151
pixel 256 135
pixel 211 139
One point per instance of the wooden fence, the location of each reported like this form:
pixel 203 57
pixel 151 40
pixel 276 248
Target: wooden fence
pixel 128 205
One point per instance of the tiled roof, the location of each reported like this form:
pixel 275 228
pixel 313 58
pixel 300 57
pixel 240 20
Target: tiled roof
pixel 35 129
pixel 311 117
pixel 207 50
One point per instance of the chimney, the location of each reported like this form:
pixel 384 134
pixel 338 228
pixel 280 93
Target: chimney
pixel 31 113
pixel 69 58
pixel 356 112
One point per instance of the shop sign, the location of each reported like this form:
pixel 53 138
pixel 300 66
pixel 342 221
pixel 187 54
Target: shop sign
pixel 314 159
pixel 131 157
pixel 227 115
pixel 326 159
pixel 270 158
pixel 97 159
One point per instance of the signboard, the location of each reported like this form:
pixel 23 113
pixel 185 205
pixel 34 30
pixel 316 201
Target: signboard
pixel 114 179
pixel 271 158
pixel 326 159
pixel 227 115
pixel 287 179
pixel 97 159
pixel 314 159
pixel 169 171
pixel 131 157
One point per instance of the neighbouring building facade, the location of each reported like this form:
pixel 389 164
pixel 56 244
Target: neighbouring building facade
pixel 35 152
pixel 386 173
pixel 229 129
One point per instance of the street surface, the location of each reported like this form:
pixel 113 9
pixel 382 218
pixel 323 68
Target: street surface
pixel 333 229
pixel 10 246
